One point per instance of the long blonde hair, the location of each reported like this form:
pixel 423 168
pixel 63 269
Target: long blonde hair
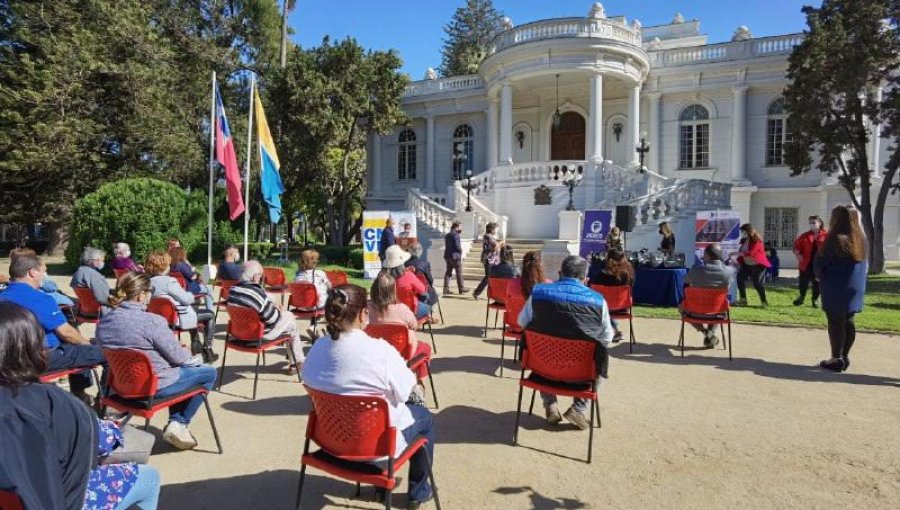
pixel 129 288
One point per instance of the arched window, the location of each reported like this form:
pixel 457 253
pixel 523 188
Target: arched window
pixel 777 133
pixel 694 137
pixel 463 152
pixel 406 155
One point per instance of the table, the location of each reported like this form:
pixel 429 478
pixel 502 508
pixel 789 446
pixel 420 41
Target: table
pixel 659 287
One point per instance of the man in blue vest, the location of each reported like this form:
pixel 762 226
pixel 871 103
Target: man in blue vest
pixel 569 309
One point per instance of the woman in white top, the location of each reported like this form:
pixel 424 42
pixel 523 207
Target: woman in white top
pixel 349 362
pixel 307 273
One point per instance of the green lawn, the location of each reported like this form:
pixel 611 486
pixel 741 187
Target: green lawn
pixel 354 275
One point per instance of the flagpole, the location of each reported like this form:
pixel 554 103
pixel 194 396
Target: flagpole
pixel 247 163
pixel 212 174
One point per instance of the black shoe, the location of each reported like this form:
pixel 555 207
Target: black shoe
pixel 415 505
pixel 617 337
pixel 846 364
pixel 835 366
pixel 799 301
pixel 209 356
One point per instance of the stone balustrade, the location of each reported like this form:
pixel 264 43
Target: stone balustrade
pixel 602 28
pixel 483 215
pixel 735 50
pixel 425 87
pixel 691 194
pixel 434 215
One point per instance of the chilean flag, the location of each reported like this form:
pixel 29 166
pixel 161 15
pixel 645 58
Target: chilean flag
pixel 226 157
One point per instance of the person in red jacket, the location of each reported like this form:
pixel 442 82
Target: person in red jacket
pixel 806 246
pixel 753 264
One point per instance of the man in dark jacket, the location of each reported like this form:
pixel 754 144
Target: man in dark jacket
pixel 570 310
pixel 388 238
pixel 453 258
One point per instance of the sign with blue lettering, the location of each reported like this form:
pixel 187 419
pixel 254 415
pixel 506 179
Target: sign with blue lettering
pixel 597 224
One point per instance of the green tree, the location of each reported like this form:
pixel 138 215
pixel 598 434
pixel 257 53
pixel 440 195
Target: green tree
pixel 326 102
pixel 468 35
pixel 849 52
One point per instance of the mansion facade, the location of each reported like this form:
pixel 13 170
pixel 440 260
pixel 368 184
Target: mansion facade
pixel 572 99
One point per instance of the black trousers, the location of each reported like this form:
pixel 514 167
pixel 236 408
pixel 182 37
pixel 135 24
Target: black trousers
pixel 757 275
pixel 806 278
pixel 841 333
pixel 484 281
pixel 453 265
pixel 73 356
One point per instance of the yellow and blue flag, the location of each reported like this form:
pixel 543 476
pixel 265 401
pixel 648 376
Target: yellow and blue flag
pixel 271 184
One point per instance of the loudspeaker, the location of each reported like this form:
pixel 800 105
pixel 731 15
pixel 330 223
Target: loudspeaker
pixel 625 217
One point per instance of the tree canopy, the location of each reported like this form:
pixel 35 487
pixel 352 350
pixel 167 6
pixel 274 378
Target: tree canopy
pixel 468 35
pixel 850 51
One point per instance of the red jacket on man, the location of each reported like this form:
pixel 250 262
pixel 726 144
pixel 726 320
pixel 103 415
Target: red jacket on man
pixel 803 247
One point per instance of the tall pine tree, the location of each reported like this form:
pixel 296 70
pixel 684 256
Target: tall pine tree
pixel 468 35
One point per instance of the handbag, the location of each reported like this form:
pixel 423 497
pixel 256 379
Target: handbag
pixel 136 448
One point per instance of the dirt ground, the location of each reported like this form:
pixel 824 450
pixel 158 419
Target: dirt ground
pixel 765 430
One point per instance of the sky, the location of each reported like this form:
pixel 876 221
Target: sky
pixel 415 27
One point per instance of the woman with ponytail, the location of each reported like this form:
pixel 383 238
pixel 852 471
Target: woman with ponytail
pixel 130 326
pixel 349 362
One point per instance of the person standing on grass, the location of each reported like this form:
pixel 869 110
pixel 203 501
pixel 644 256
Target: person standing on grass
pixel 806 247
pixel 753 264
pixel 841 268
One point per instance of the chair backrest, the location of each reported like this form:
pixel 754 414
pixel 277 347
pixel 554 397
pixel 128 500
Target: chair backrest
pixel 560 359
pixel 87 303
pixel 617 297
pixel 514 305
pixel 303 295
pixel 225 287
pixel 394 334
pixel 244 323
pixel 165 308
pixel 130 373
pixel 274 276
pixel 180 278
pixel 422 278
pixel 408 298
pixel 9 500
pixel 336 277
pixel 119 273
pixel 353 427
pixel 497 289
pixel 705 301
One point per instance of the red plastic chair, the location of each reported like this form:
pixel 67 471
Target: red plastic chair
pixel 119 273
pixel 422 278
pixel 180 278
pixel 87 310
pixel 560 366
pixel 706 306
pixel 511 328
pixel 336 277
pixel 620 303
pixel 245 334
pixel 275 281
pixel 496 293
pixel 9 500
pixel 49 377
pixel 352 431
pixel 224 289
pixel 409 298
pixel 398 336
pixel 165 308
pixel 132 384
pixel 304 302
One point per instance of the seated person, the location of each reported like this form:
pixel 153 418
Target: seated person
pixel 617 271
pixel 193 279
pixel 190 314
pixel 307 273
pixel 532 274
pixel 569 309
pixel 422 267
pixel 122 260
pixel 384 309
pixel 250 294
pixel 88 275
pixel 48 286
pixel 64 346
pixel 713 274
pixel 53 464
pixel 507 266
pixel 130 326
pixel 393 263
pixel 349 362
pixel 229 269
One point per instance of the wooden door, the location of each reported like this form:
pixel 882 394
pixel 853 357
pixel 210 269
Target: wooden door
pixel 567 141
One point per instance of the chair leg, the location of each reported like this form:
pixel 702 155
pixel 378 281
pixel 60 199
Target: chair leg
pixel 222 367
pixel 300 486
pixel 516 351
pixel 631 340
pixel 387 499
pixel 599 421
pixel 431 332
pixel 264 359
pixel 591 433
pixel 729 340
pixel 440 311
pixel 212 423
pixel 487 315
pixel 496 314
pixel 256 376
pixel 518 415
pixel 502 348
pixel 431 382
pixel 358 489
pixel 146 424
pixel 681 339
pixel 724 340
pixel 531 407
pixel 293 360
pixel 434 489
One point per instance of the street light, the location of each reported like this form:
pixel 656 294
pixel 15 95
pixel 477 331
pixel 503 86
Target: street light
pixel 643 148
pixel 459 161
pixel 570 177
pixel 469 187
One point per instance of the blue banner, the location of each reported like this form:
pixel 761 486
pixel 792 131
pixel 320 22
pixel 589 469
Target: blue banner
pixel 594 231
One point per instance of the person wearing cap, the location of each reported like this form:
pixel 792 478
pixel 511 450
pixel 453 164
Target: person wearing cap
pixel 395 263
pixel 712 274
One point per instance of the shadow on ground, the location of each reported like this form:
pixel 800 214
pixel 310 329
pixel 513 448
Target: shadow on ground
pixel 541 502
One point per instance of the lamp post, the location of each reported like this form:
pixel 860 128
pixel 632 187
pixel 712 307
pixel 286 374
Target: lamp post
pixel 643 148
pixel 570 177
pixel 459 161
pixel 469 187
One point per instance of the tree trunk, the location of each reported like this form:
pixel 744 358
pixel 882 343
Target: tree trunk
pixel 876 259
pixel 59 238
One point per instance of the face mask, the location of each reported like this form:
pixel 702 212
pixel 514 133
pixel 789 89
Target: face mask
pixel 814 227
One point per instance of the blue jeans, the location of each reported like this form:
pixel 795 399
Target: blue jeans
pixel 145 491
pixel 189 377
pixel 419 486
pixel 75 355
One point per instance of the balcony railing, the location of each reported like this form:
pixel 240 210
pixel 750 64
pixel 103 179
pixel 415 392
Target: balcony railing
pixel 425 87
pixel 737 50
pixel 603 28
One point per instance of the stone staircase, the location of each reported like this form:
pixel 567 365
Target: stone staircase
pixel 472 268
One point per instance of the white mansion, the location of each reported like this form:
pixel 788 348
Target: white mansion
pixel 576 96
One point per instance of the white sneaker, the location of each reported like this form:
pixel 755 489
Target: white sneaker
pixel 178 435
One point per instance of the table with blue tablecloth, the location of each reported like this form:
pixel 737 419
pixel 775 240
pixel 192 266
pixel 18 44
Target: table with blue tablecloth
pixel 659 287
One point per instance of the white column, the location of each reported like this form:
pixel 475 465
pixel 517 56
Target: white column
pixel 595 142
pixel 429 154
pixel 653 131
pixel 376 165
pixel 506 124
pixel 491 133
pixel 634 114
pixel 739 134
